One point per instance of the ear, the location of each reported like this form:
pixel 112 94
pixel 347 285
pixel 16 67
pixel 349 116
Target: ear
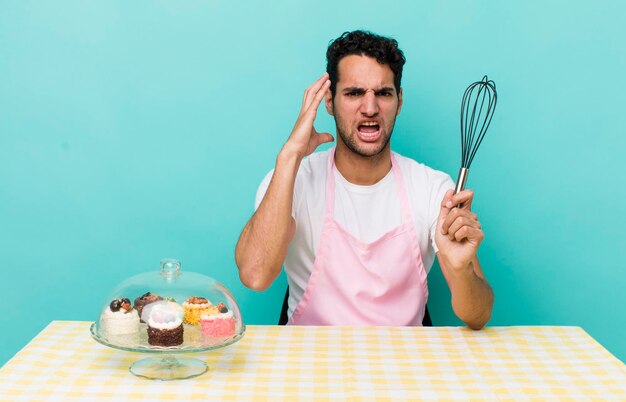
pixel 399 101
pixel 328 102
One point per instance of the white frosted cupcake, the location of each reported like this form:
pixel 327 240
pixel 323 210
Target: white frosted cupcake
pixel 120 318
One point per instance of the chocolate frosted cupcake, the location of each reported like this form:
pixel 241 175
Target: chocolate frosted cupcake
pixel 165 323
pixel 144 300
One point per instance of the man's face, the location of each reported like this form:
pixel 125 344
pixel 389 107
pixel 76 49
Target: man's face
pixel 365 105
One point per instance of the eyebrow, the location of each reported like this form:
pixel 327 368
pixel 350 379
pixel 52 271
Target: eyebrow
pixel 362 90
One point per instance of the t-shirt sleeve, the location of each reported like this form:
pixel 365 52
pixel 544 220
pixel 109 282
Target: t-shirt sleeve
pixel 260 193
pixel 441 183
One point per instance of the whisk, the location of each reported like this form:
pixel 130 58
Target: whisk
pixel 477 107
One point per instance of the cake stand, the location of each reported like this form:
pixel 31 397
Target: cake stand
pixel 171 285
pixel 166 365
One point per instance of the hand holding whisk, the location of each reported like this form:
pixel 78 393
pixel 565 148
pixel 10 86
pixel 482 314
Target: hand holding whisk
pixel 477 107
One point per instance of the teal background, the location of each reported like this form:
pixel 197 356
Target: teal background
pixel 136 130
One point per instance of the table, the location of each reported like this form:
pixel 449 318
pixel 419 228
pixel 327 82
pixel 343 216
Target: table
pixel 64 363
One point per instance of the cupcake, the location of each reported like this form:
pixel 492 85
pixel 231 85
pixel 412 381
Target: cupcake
pixel 120 318
pixel 165 323
pixel 194 307
pixel 220 324
pixel 144 300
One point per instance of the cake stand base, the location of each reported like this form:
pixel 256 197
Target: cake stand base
pixel 167 368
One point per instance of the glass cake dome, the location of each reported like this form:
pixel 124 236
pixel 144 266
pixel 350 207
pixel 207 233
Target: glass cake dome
pixel 168 312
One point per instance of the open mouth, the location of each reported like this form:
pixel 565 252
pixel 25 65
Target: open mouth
pixel 369 131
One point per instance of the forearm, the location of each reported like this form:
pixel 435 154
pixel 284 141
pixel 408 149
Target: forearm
pixel 472 297
pixel 263 243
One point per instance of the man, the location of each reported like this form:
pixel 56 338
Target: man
pixel 357 226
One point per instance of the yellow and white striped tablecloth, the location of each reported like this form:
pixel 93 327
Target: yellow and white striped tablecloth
pixel 63 363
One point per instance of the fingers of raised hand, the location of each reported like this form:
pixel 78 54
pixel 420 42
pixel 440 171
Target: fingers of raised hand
pixel 310 94
pixel 308 116
pixel 317 99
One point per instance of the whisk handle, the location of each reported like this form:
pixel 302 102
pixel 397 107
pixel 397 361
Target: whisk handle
pixel 461 180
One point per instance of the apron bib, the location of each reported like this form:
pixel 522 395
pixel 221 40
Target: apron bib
pixel 356 283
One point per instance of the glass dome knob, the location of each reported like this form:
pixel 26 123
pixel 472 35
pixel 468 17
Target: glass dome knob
pixel 170 267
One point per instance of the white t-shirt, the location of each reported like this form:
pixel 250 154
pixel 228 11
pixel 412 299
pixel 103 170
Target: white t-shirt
pixel 367 212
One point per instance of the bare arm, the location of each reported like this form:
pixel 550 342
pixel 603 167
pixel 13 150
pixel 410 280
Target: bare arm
pixel 458 236
pixel 263 243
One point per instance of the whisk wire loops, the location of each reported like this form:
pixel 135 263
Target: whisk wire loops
pixel 477 108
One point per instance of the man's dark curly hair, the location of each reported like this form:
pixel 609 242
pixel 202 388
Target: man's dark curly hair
pixel 384 50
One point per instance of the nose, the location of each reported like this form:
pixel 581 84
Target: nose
pixel 369 104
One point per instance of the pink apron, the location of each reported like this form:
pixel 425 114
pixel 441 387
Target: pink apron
pixel 357 283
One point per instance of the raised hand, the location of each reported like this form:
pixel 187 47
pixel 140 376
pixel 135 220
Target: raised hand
pixel 304 139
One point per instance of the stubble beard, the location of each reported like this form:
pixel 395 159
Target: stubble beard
pixel 351 142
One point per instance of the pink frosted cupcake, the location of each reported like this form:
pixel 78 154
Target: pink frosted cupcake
pixel 218 325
